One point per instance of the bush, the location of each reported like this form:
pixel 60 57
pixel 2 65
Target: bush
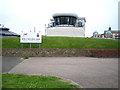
pixel 26 57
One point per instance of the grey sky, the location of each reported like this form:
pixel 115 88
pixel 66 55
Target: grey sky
pixel 24 15
pixel 119 16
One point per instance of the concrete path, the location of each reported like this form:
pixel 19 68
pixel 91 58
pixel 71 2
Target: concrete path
pixel 87 72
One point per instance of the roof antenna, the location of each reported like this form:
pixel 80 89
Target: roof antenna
pixel 34 29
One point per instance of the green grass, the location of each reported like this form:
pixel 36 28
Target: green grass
pixel 64 43
pixel 29 81
pixel 25 57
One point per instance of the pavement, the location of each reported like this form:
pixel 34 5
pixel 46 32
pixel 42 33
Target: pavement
pixel 86 71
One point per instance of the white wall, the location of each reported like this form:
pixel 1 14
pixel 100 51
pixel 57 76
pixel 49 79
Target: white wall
pixel 66 31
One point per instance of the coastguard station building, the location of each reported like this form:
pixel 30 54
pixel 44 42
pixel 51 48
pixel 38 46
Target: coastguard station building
pixel 66 24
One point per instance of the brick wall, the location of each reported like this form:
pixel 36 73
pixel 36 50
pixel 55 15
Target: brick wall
pixel 61 52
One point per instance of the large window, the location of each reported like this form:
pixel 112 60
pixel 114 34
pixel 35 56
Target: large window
pixel 65 20
pixel 72 21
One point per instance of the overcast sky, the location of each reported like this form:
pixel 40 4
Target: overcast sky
pixel 24 15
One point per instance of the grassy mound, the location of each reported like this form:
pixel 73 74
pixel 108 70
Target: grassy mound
pixel 64 43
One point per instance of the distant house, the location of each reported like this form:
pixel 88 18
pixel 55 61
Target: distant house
pixel 113 34
pixel 116 34
pixel 4 32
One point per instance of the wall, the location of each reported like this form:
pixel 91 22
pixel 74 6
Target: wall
pixel 66 31
pixel 61 52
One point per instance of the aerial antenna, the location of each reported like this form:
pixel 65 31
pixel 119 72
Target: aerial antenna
pixel 34 29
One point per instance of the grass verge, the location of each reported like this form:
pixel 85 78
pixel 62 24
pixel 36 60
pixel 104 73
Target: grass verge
pixel 29 81
pixel 64 43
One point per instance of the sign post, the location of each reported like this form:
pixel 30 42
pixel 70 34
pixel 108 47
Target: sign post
pixel 30 45
pixel 39 45
pixel 21 45
pixel 30 37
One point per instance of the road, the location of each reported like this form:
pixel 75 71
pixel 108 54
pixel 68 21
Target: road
pixel 87 72
pixel 10 62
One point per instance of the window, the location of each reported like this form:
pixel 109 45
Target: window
pixel 65 20
pixel 79 24
pixel 58 20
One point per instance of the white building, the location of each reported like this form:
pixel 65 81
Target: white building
pixel 66 24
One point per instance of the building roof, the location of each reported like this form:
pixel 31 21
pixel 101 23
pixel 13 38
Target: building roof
pixel 68 14
pixel 4 28
pixel 108 32
pixel 65 14
pixel 95 32
pixel 6 32
pixel 115 31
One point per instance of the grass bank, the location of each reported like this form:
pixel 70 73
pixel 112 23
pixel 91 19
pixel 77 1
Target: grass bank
pixel 28 81
pixel 64 43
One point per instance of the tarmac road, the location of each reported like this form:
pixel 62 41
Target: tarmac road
pixel 9 62
pixel 87 72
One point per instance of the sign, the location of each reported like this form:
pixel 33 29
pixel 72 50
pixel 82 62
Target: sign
pixel 30 37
